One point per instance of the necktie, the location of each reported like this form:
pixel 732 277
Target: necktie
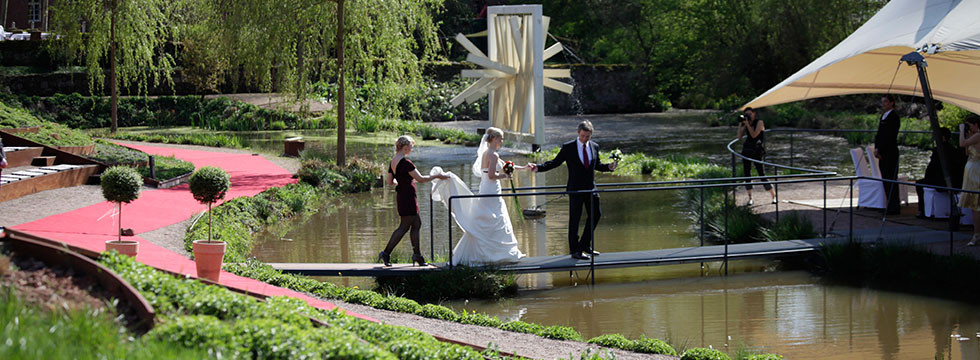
pixel 585 156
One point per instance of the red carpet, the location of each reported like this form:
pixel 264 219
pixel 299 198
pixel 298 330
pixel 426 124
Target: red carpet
pixel 90 227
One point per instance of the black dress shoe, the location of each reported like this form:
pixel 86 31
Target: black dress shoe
pixel 591 252
pixel 580 256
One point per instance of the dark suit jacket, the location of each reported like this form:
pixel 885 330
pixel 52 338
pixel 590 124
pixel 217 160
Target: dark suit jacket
pixel 956 161
pixel 886 140
pixel 579 177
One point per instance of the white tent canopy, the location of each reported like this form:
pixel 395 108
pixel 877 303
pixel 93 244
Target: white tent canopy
pixel 868 60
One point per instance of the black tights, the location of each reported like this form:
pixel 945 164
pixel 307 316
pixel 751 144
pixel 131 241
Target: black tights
pixel 413 223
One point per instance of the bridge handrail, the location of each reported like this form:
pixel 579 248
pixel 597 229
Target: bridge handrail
pixel 850 179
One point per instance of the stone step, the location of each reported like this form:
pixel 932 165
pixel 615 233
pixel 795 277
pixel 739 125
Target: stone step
pixel 43 160
pixel 61 167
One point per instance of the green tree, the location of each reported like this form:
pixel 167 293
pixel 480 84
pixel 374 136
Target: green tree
pixel 129 35
pixel 706 53
pixel 286 45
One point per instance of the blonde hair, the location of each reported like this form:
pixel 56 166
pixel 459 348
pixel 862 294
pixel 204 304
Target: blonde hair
pixel 403 141
pixel 493 133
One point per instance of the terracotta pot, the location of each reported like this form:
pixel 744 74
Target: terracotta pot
pixel 125 247
pixel 208 257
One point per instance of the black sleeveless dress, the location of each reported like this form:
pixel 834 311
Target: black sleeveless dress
pixel 405 196
pixel 754 147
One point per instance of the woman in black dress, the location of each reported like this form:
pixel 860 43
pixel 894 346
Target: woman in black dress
pixel 753 148
pixel 402 174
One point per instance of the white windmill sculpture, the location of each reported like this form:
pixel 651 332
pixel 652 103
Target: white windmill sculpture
pixel 513 74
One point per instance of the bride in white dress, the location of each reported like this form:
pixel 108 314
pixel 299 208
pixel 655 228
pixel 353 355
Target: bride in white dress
pixel 488 236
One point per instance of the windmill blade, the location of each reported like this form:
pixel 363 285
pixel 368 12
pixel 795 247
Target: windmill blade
pixel 556 73
pixel 490 64
pixel 545 21
pixel 558 85
pixel 551 51
pixel 483 73
pixel 477 86
pixel 491 86
pixel 468 45
pixel 515 30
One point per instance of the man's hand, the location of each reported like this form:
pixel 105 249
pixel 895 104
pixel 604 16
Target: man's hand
pixel 613 165
pixel 3 164
pixel 877 155
pixel 533 167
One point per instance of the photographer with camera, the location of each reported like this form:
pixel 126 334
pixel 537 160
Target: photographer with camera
pixel 753 148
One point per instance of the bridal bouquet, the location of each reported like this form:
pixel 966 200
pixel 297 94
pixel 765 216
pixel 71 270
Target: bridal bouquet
pixel 616 155
pixel 509 170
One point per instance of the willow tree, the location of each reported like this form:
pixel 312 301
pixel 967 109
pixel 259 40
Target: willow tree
pixel 285 45
pixel 127 35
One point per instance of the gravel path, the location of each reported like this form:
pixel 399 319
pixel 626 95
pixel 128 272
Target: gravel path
pixel 530 346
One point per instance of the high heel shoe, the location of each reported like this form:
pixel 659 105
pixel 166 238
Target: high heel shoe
pixel 418 259
pixel 385 258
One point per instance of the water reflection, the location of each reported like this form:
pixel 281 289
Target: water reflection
pixel 789 313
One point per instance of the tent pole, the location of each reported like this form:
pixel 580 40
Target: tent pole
pixel 915 58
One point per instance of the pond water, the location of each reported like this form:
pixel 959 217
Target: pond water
pixel 784 312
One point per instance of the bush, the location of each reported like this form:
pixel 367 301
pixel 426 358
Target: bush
pixel 201 332
pixel 653 346
pixel 475 318
pixel 522 327
pixel 744 225
pixel 791 226
pixel 614 341
pixel 560 333
pixel 438 312
pixel 456 283
pixel 121 184
pixel 209 184
pixel 168 167
pixel 704 354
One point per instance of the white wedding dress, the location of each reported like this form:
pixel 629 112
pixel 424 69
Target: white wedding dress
pixel 488 236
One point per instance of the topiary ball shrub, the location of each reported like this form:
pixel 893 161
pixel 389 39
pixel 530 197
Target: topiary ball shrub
pixel 614 341
pixel 121 184
pixel 209 184
pixel 704 354
pixel 654 346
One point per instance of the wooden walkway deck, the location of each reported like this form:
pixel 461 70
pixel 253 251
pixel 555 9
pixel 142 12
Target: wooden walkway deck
pixel 775 249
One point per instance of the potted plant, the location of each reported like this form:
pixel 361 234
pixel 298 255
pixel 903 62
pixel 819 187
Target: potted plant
pixel 209 184
pixel 121 184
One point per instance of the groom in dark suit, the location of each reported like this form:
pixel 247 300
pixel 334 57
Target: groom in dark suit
pixel 582 158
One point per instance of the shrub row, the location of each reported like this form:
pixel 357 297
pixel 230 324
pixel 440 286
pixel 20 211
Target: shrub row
pixel 203 139
pixel 219 321
pixel 259 271
pixel 86 112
